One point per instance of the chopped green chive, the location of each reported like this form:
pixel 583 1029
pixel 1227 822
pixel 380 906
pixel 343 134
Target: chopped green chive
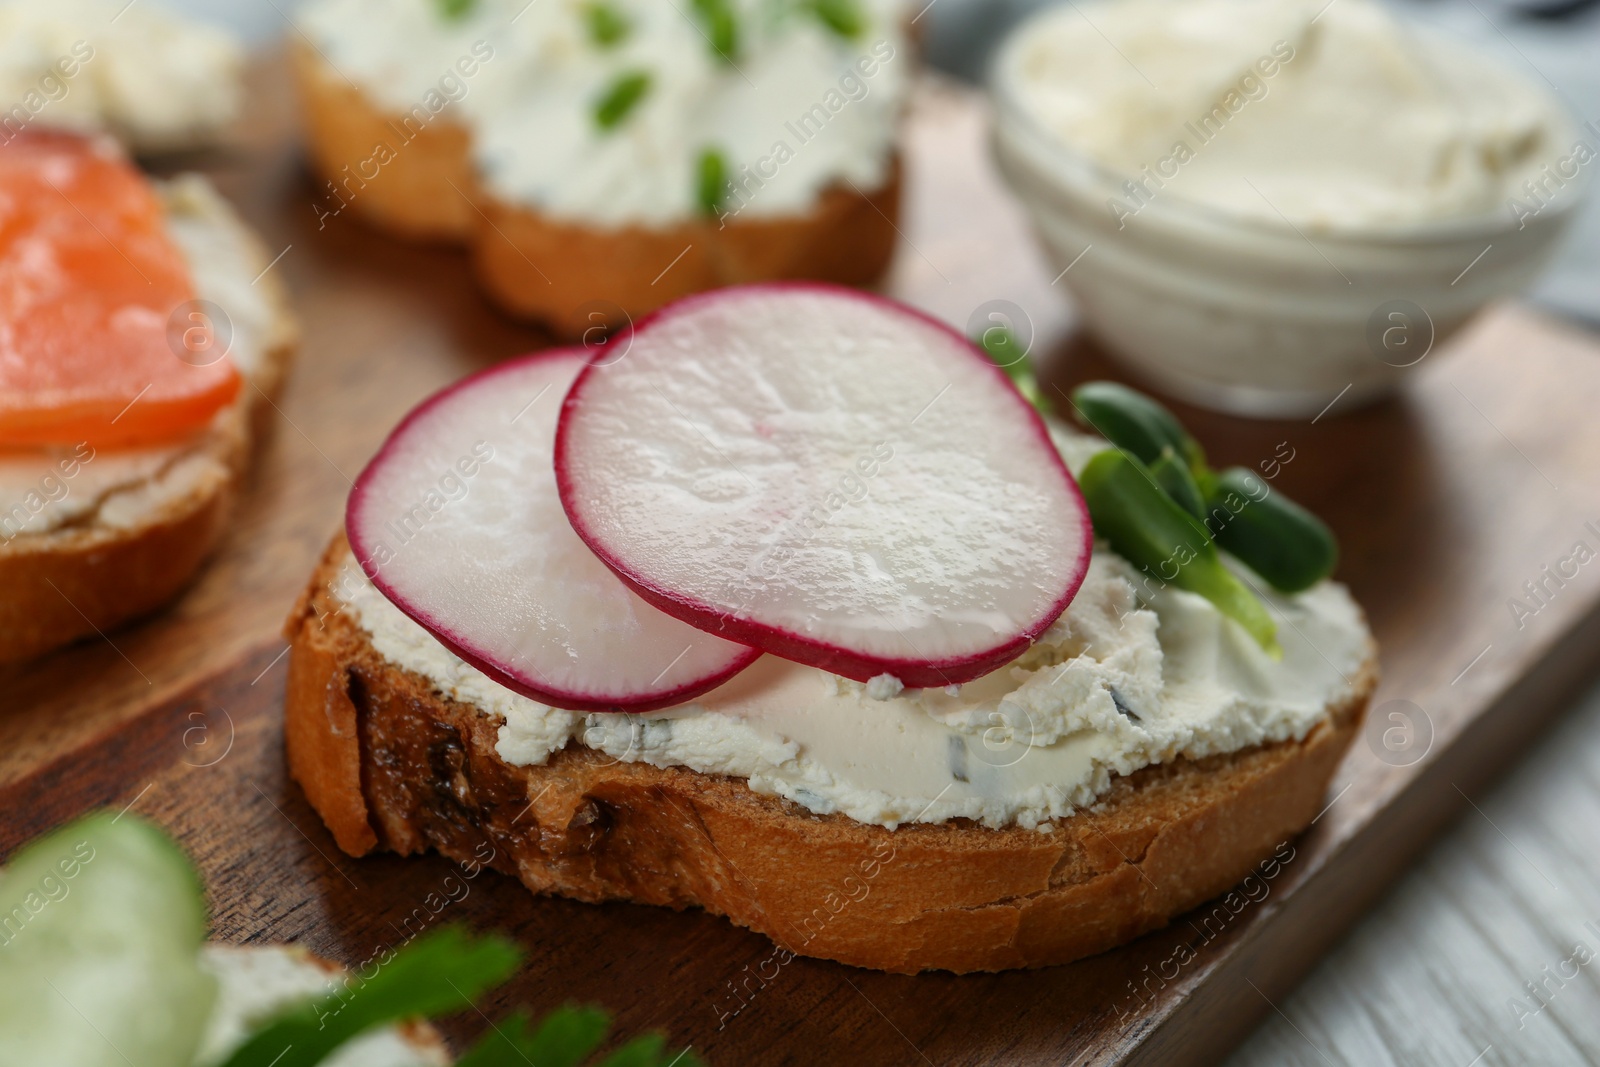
pixel 713 181
pixel 841 16
pixel 620 98
pixel 607 25
pixel 721 27
pixel 455 9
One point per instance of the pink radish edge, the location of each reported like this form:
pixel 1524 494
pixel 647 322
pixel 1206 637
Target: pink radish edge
pixel 919 674
pixel 517 684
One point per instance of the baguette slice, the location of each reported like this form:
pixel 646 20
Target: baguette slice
pixel 421 191
pixel 135 525
pixel 391 763
pixel 256 981
pixel 548 269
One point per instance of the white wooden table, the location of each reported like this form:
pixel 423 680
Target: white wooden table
pixel 1437 975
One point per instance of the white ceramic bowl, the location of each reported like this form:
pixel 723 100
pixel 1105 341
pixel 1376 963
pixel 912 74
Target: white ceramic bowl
pixel 1250 316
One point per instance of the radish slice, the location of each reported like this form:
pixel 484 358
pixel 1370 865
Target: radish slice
pixel 457 521
pixel 829 476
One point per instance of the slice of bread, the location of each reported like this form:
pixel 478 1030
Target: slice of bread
pixel 418 186
pixel 547 269
pixel 391 763
pixel 414 177
pixel 254 982
pixel 123 533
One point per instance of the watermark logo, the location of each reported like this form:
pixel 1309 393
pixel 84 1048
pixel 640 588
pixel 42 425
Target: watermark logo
pixel 1399 733
pixel 605 329
pixel 199 332
pixel 993 321
pixel 208 738
pixel 1400 333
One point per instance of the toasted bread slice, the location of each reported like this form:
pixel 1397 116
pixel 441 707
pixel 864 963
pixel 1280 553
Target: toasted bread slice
pixel 117 538
pixel 391 763
pixel 553 270
pixel 419 187
pixel 563 273
pixel 257 981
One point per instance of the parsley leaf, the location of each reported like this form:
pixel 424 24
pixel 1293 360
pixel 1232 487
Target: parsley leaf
pixel 566 1038
pixel 620 98
pixel 437 974
pixel 456 9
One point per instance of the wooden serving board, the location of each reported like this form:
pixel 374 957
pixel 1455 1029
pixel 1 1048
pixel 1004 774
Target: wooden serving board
pixel 1447 501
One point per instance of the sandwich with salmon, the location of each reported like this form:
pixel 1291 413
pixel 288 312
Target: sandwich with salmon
pixel 142 338
pixel 801 613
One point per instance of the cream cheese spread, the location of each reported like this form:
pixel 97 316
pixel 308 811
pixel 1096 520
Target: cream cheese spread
pixel 256 982
pixel 1132 674
pixel 1331 115
pixel 799 107
pixel 46 489
pixel 157 81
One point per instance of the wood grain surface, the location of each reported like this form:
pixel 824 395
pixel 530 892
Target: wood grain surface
pixel 1446 499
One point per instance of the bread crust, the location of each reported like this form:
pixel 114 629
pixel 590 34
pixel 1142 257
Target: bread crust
pixel 390 763
pixel 570 276
pixel 565 274
pixel 423 188
pixel 89 577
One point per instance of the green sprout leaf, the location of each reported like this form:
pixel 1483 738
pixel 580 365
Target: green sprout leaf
pixel 437 974
pixel 841 16
pixel 721 27
pixel 712 181
pixel 1002 347
pixel 455 10
pixel 1149 529
pixel 608 27
pixel 620 98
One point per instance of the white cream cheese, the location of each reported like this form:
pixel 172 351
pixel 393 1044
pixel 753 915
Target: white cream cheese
pixel 46 489
pixel 1330 115
pixel 1132 674
pixel 802 108
pixel 157 81
pixel 255 982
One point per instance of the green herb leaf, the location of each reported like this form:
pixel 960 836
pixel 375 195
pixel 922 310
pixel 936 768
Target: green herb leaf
pixel 566 1038
pixel 1277 538
pixel 712 181
pixel 721 27
pixel 1009 355
pixel 841 16
pixel 608 27
pixel 1174 476
pixel 1148 529
pixel 456 10
pixel 650 1050
pixel 437 974
pixel 620 98
pixel 1133 421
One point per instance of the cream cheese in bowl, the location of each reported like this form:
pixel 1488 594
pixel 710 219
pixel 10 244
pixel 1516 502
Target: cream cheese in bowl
pixel 1267 187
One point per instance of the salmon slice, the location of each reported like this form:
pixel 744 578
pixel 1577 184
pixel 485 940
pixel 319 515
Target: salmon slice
pixel 88 282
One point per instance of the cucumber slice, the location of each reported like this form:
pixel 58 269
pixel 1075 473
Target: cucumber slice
pixel 101 924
